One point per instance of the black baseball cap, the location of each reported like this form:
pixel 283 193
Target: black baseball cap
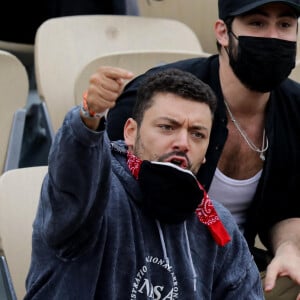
pixel 231 8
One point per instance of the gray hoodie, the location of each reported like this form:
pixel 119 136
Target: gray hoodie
pixel 91 240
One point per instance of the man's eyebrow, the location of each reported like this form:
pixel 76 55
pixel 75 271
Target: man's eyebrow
pixel 177 123
pixel 199 127
pixel 168 119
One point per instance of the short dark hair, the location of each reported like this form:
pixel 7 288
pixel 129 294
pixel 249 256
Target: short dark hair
pixel 173 81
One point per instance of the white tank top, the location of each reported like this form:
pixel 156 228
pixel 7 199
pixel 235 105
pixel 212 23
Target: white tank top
pixel 235 195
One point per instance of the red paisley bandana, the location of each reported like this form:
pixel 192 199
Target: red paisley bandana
pixel 205 211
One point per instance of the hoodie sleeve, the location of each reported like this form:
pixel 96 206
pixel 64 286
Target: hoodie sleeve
pixel 239 276
pixel 73 195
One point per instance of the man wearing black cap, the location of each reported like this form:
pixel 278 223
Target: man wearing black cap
pixel 253 160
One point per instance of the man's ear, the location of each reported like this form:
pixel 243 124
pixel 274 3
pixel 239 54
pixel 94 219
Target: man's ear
pixel 221 33
pixel 130 132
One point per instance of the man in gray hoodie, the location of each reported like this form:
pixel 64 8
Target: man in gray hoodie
pixel 128 219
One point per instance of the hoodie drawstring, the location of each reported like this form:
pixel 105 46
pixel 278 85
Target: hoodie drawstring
pixel 190 256
pixel 163 245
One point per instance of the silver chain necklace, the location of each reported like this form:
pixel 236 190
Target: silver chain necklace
pixel 265 142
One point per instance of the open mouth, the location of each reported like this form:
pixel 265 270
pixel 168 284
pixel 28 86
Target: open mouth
pixel 178 161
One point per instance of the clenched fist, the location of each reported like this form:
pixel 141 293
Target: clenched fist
pixel 104 88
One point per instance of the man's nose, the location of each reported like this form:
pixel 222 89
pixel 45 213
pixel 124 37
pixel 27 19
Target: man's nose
pixel 181 141
pixel 273 32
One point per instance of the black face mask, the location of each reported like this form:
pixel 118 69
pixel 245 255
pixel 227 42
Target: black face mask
pixel 170 194
pixel 261 64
